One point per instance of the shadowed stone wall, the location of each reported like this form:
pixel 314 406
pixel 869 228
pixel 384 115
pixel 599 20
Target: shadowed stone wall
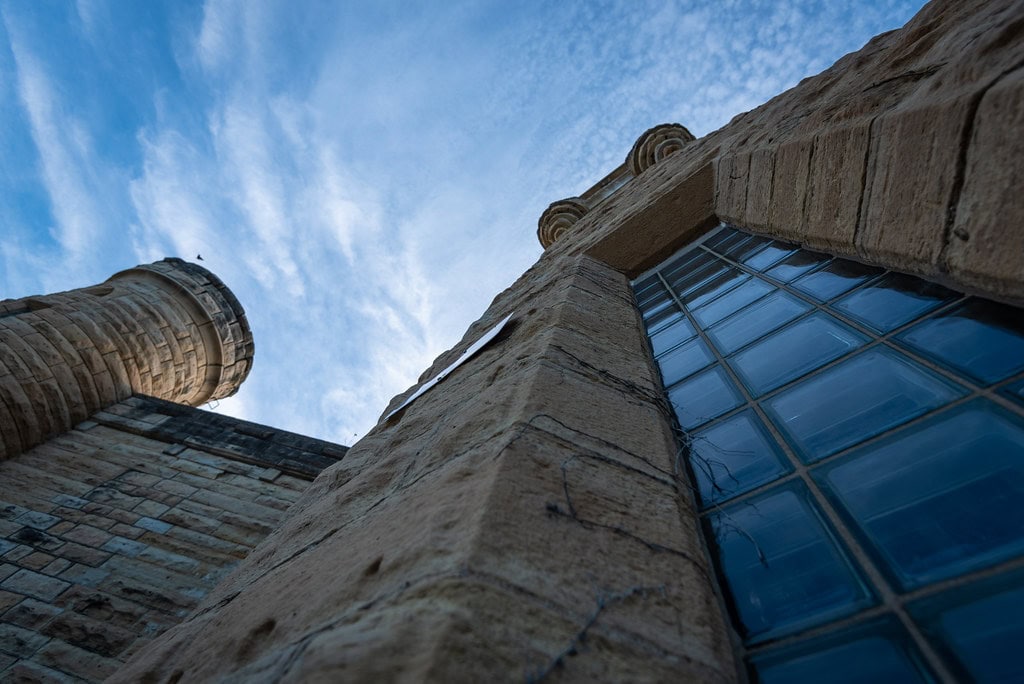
pixel 114 531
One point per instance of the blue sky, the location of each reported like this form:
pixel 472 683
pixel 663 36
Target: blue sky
pixel 365 176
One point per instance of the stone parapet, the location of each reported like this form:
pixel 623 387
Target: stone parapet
pixel 170 329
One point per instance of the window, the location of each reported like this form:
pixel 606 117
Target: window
pixel 856 442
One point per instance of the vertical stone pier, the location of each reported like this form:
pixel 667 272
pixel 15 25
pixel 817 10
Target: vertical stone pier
pixel 170 329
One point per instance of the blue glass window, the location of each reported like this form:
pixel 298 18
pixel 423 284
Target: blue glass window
pixel 769 255
pixel 796 265
pixel 703 397
pixel 979 627
pixel 856 399
pixel 756 320
pixel 785 569
pixel 981 339
pixel 749 291
pixel 672 335
pixel 809 343
pixel 684 361
pixel 940 498
pixel 833 280
pixel 734 456
pixel 824 402
pixel 878 652
pixel 893 300
pixel 723 282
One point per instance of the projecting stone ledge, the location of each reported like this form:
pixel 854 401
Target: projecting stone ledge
pixel 650 148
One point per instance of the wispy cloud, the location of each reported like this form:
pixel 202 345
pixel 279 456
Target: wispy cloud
pixel 366 179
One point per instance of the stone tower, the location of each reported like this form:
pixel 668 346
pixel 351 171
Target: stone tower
pixel 170 329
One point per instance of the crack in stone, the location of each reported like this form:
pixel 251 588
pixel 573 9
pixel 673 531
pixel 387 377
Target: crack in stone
pixel 603 602
pixel 556 510
pixel 960 171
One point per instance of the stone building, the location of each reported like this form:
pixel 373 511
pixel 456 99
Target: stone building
pixel 756 412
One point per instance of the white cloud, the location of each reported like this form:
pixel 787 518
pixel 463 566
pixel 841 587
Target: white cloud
pixel 366 184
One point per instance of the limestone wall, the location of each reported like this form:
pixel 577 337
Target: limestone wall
pixel 525 519
pixel 169 329
pixel 114 531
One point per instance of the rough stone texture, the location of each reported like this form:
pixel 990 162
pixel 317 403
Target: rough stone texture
pixel 522 519
pixel 169 329
pixel 891 156
pixel 525 519
pixel 113 532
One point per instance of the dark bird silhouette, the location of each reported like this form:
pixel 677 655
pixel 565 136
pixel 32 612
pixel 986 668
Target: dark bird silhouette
pixel 200 257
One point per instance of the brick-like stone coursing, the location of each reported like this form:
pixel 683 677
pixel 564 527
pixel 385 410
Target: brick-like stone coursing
pixel 170 329
pixel 111 533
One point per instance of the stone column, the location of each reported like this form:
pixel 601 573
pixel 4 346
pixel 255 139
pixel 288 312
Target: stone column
pixel 170 329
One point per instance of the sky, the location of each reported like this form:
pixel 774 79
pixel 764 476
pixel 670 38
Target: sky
pixel 364 176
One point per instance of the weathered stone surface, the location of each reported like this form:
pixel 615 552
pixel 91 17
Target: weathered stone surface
pixel 97 557
pixel 66 355
pixel 493 531
pixel 987 238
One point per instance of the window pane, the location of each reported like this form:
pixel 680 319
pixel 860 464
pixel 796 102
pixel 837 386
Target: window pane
pixel 940 498
pixel 684 361
pixel 796 265
pixel 686 263
pixel 655 303
pixel 750 291
pixel 892 301
pixel 783 568
pixel 980 627
pixel 833 280
pixel 669 336
pixel 725 239
pixel 735 456
pixel 877 652
pixel 662 319
pixel 1015 390
pixel 651 287
pixel 769 255
pixel 700 270
pixel 786 355
pixel 983 339
pixel 723 282
pixel 745 248
pixel 703 397
pixel 756 320
pixel 857 399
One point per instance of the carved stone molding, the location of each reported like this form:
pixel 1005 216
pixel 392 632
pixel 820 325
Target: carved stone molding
pixel 656 144
pixel 557 219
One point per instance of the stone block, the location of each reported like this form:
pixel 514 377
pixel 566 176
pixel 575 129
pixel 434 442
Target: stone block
pixel 35 561
pixel 987 240
pixel 910 177
pixel 28 671
pixel 34 584
pixel 86 633
pixel 153 525
pixel 31 614
pixel 56 567
pixel 37 520
pixel 101 606
pixel 81 663
pixel 85 575
pixel 88 535
pixel 123 546
pixel 82 554
pixel 18 641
